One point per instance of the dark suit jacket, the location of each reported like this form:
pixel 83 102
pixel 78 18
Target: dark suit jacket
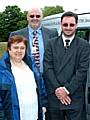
pixel 66 68
pixel 46 33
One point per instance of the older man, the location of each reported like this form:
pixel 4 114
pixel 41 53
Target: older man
pixel 38 37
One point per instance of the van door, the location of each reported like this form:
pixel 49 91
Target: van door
pixel 85 33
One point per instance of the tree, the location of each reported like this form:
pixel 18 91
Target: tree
pixel 11 19
pixel 23 21
pixel 52 10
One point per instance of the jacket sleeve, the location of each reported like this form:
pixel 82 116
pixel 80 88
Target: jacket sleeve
pixel 49 75
pixel 80 75
pixel 5 100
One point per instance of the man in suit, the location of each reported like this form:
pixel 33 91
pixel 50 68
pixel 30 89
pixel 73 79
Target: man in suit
pixel 65 68
pixel 34 18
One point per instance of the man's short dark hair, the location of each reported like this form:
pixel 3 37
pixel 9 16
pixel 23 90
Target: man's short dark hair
pixel 70 14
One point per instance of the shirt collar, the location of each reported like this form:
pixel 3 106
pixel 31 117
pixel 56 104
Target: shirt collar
pixel 70 38
pixel 31 30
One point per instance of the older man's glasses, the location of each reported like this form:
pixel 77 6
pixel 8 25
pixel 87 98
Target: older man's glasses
pixel 37 16
pixel 66 25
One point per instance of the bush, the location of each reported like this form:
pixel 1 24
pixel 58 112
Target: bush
pixel 3 48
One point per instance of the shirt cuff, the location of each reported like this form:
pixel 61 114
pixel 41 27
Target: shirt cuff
pixel 66 90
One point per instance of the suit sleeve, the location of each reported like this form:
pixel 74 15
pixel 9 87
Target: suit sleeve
pixel 80 75
pixel 13 33
pixel 54 32
pixel 49 75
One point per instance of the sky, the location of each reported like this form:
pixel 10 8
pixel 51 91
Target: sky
pixel 24 5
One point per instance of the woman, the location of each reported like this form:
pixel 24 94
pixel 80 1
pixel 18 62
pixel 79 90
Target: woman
pixel 18 95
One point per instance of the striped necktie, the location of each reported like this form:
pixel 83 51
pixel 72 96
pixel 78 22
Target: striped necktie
pixel 35 49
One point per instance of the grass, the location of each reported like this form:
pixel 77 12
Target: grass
pixel 3 47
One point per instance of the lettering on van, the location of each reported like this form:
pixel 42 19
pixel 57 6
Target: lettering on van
pixel 84 20
pixel 51 23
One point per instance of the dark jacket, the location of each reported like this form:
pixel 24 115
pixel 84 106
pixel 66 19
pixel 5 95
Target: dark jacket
pixel 9 104
pixel 66 68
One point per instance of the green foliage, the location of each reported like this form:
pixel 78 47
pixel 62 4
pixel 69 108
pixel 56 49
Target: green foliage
pixel 21 24
pixel 3 48
pixel 10 20
pixel 52 10
pixel 13 19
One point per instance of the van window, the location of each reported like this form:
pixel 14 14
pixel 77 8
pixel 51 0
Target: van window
pixel 83 34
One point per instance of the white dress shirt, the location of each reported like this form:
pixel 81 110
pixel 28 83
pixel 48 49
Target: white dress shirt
pixel 64 38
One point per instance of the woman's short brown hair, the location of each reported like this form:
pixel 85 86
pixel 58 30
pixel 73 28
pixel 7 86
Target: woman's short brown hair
pixel 16 39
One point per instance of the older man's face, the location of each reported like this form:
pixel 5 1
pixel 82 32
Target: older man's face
pixel 34 18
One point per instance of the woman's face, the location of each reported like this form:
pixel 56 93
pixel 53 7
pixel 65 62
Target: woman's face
pixel 17 51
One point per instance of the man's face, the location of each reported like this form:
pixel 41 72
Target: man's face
pixel 68 26
pixel 34 18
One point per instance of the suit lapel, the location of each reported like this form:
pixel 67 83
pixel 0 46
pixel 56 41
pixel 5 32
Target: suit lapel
pixel 45 36
pixel 64 56
pixel 26 34
pixel 59 47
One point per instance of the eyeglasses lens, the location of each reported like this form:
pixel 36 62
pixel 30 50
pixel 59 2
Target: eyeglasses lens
pixel 37 16
pixel 66 25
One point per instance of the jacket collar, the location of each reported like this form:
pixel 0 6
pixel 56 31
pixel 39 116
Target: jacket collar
pixel 5 61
